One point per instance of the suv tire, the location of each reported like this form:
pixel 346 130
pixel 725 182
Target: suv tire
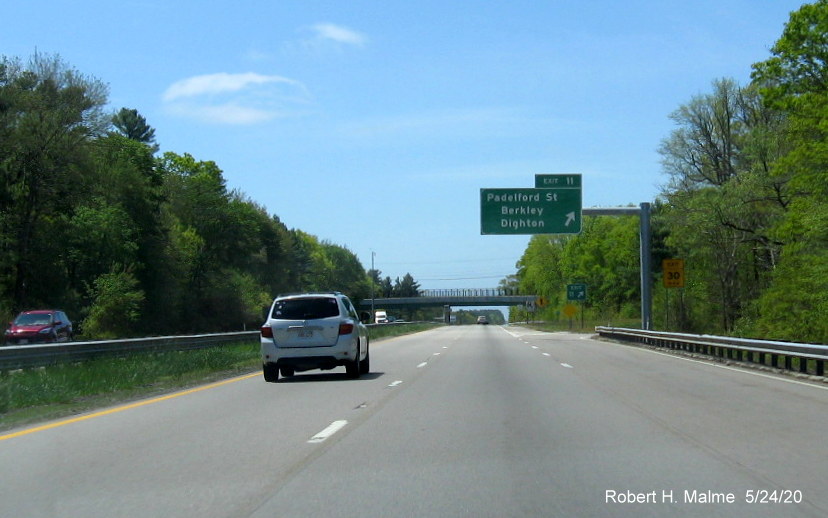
pixel 365 365
pixel 352 367
pixel 271 373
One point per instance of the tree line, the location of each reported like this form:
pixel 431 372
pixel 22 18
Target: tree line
pixel 744 205
pixel 129 242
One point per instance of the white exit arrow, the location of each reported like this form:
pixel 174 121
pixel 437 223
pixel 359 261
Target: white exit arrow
pixel 569 218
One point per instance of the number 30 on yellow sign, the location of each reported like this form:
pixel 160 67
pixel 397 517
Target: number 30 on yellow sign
pixel 673 273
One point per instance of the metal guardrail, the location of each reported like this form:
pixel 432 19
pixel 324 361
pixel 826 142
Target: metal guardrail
pixel 38 355
pixel 780 355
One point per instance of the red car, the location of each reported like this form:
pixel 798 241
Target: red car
pixel 40 326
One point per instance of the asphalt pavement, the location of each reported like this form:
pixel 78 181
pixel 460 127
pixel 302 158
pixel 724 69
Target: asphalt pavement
pixel 459 421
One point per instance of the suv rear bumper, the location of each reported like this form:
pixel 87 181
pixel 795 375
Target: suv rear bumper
pixel 306 363
pixel 307 358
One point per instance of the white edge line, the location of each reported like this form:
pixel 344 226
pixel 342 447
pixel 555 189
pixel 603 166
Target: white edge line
pixel 513 335
pixel 711 363
pixel 327 432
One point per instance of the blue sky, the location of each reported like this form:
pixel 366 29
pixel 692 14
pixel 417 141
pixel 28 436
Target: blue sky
pixel 374 125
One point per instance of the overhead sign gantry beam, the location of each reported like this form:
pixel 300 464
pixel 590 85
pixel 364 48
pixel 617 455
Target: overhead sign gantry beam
pixel 554 206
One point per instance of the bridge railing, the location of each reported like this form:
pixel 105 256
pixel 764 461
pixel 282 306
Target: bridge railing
pixel 470 292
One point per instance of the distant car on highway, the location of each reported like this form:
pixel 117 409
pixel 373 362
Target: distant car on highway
pixel 313 331
pixel 39 326
pixel 482 320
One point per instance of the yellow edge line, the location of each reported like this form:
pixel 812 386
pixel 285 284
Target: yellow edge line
pixel 130 406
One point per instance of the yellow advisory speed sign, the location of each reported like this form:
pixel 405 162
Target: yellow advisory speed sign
pixel 673 270
pixel 570 310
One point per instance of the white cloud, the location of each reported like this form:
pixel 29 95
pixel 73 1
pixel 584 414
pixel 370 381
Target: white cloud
pixel 246 98
pixel 222 113
pixel 338 34
pixel 220 83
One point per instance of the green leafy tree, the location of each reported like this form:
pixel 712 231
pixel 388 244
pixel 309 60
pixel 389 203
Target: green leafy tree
pixel 387 287
pixel 795 80
pixel 125 177
pixel 407 287
pixel 153 244
pixel 134 126
pixel 723 200
pixel 49 114
pixel 115 310
pixel 540 269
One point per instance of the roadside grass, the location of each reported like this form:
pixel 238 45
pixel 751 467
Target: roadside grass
pixel 59 390
pixel 39 394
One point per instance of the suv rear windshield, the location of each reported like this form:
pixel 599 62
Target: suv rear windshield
pixel 305 309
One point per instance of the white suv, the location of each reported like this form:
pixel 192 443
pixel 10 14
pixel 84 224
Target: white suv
pixel 313 331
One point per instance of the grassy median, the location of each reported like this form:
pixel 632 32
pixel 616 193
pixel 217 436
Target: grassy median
pixel 32 395
pixel 58 390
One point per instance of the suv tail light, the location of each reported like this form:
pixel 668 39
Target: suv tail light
pixel 267 332
pixel 346 328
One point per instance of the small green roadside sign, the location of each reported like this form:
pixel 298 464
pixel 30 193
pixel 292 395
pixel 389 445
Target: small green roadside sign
pixel 576 292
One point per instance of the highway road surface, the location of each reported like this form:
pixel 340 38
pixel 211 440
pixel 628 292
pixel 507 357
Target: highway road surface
pixel 477 421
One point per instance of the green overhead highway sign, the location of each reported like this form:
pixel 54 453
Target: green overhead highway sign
pixel 530 211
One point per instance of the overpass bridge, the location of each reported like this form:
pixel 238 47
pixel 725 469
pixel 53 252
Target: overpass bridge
pixel 458 297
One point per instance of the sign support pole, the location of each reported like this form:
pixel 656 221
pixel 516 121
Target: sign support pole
pixel 646 278
pixel 643 212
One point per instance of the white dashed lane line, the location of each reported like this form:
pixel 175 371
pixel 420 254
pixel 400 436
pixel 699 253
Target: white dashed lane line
pixel 327 432
pixel 535 347
pixel 394 384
